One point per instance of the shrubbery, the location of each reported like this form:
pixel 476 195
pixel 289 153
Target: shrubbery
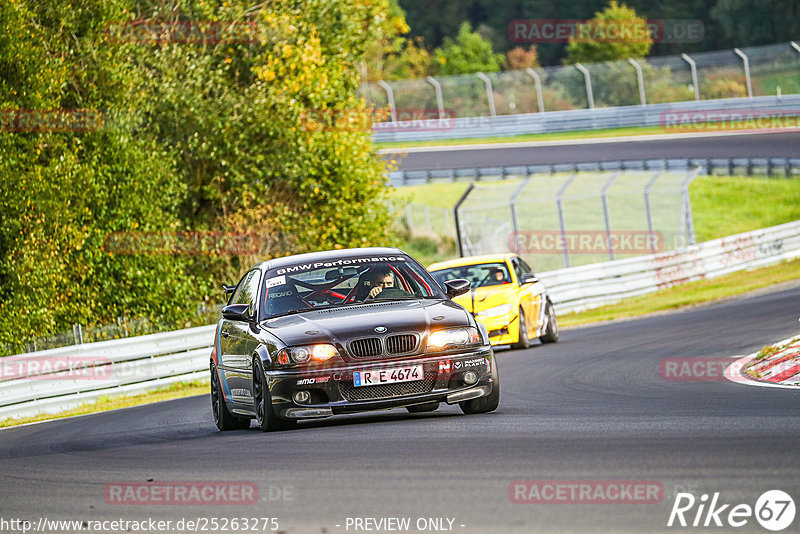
pixel 218 141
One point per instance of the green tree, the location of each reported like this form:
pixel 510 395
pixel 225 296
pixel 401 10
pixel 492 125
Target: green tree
pixel 617 32
pixel 467 53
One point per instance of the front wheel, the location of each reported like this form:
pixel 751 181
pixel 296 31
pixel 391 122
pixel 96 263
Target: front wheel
pixel 223 418
pixel 485 404
pixel 523 342
pixel 265 416
pixel 551 330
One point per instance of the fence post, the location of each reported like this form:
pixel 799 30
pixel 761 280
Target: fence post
pixel 687 210
pixel 746 71
pixel 489 92
pixel 409 219
pixel 455 217
pixel 427 211
pixel 561 223
pixel 647 211
pixel 607 216
pixel 514 220
pixel 437 88
pixel 640 79
pixel 695 83
pixel 390 98
pixel 538 82
pixel 588 79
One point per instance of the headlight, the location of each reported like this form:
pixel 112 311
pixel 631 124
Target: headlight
pixel 453 337
pixel 322 352
pixel 497 311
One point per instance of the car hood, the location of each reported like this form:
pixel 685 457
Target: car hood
pixel 489 297
pixel 357 321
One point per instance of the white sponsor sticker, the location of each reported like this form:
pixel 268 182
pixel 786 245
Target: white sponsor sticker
pixel 276 281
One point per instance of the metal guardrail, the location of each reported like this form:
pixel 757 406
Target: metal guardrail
pixel 137 364
pixel 657 115
pixel 589 286
pixel 783 167
pixel 56 379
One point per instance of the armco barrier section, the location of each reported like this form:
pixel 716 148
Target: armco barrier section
pixel 589 286
pixel 583 119
pixel 137 364
pixel 53 380
pixel 772 167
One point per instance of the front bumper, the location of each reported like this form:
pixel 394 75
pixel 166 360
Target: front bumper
pixel 503 330
pixel 332 390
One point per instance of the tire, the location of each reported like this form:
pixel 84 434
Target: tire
pixel 485 404
pixel 223 418
pixel 551 331
pixel 266 419
pixel 522 333
pixel 422 408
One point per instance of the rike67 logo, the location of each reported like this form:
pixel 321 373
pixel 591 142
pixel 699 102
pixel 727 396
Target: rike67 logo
pixel 774 510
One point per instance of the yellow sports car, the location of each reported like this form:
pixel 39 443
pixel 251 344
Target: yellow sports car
pixel 505 296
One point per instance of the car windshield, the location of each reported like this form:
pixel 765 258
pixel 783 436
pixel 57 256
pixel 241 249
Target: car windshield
pixel 344 282
pixel 482 274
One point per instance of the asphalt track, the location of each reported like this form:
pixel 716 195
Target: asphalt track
pixel 591 407
pixel 738 145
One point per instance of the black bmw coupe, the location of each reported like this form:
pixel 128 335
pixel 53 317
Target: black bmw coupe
pixel 345 331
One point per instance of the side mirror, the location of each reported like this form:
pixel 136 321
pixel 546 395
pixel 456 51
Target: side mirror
pixel 528 278
pixel 456 287
pixel 237 312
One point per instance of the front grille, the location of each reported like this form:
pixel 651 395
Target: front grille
pixel 385 391
pixel 366 348
pixel 401 344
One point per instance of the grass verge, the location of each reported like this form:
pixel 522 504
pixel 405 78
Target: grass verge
pixel 113 402
pixel 689 294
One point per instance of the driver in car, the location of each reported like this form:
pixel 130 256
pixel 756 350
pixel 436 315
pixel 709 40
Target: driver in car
pixel 380 279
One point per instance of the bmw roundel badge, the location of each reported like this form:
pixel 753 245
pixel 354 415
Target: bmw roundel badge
pixel 380 329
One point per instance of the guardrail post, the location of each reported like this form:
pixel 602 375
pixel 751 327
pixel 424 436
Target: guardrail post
pixel 514 220
pixel 455 217
pixel 606 214
pixel 77 332
pixel 648 212
pixel 695 83
pixel 390 98
pixel 489 92
pixel 588 79
pixel 437 88
pixel 640 79
pixel 538 83
pixel 561 223
pixel 746 71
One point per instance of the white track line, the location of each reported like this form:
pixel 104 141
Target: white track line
pixel 592 141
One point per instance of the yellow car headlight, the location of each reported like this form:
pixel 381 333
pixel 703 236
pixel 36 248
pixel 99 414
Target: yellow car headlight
pixel 497 311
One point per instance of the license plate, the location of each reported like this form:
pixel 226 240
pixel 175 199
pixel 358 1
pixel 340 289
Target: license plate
pixel 391 375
